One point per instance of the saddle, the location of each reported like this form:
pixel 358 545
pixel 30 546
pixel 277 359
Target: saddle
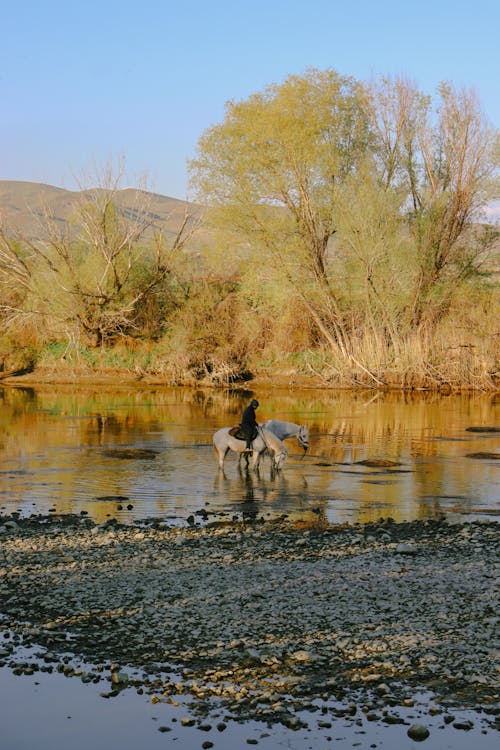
pixel 237 433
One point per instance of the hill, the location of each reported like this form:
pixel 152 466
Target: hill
pixel 24 207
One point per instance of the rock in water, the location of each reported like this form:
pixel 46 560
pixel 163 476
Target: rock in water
pixel 418 732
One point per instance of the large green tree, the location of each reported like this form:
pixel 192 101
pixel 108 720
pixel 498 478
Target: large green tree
pixel 272 172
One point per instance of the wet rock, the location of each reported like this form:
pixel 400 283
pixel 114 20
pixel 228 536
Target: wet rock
pixel 418 732
pixel 465 725
pixel 131 453
pixel 110 498
pixel 382 689
pixel 247 615
pixel 119 678
pixel 11 525
pixel 483 455
pixel 392 719
pixel 377 462
pixel 483 429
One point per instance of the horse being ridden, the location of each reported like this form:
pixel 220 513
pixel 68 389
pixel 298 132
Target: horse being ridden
pixel 224 441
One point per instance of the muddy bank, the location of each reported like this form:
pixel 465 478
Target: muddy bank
pixel 121 377
pixel 258 620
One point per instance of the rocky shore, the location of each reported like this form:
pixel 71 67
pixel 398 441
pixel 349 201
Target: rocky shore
pixel 259 620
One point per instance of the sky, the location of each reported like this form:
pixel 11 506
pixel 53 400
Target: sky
pixel 85 84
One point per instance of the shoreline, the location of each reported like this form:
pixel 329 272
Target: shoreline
pixel 265 379
pixel 259 620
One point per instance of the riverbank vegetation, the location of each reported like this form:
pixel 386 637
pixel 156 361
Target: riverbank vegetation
pixel 342 239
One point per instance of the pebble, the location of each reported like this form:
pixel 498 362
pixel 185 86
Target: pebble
pixel 119 678
pixel 247 613
pixel 302 656
pixel 406 549
pixel 466 725
pixel 418 732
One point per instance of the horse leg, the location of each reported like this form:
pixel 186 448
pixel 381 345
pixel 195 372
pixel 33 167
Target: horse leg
pixel 221 455
pixel 245 455
pixel 255 460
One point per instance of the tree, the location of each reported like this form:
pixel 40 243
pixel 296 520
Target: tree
pixel 443 160
pixel 272 171
pixel 372 254
pixel 94 281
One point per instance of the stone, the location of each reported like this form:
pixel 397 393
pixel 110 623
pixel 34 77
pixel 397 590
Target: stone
pixel 406 549
pixel 302 656
pixel 246 635
pixel 467 725
pixel 119 678
pixel 418 732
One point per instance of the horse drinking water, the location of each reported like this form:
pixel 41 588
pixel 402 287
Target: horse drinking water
pixel 285 430
pixel 265 441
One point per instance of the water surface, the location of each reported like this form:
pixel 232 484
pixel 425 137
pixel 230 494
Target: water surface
pixel 138 453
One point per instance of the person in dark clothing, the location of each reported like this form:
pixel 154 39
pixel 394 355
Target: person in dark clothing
pixel 248 426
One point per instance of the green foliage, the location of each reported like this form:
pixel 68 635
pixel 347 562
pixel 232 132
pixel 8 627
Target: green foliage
pixel 98 284
pixel 16 356
pixel 356 204
pixel 57 353
pixel 271 171
pixel 372 252
pixel 343 242
pixel 443 158
pixel 212 336
pixel 57 349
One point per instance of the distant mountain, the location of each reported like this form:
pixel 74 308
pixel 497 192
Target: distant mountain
pixel 25 205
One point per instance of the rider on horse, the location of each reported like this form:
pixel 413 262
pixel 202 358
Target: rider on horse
pixel 248 426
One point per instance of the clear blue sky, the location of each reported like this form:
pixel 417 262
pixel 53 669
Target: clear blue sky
pixel 83 83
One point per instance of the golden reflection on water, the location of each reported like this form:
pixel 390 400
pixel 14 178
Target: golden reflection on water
pixel 56 451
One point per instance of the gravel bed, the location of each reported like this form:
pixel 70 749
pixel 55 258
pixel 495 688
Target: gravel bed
pixel 258 620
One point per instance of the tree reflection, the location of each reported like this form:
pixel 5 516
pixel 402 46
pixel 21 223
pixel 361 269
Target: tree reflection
pixel 63 446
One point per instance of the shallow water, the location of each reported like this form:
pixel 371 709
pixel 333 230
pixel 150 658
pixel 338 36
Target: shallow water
pixel 77 450
pixel 64 712
pixel 60 448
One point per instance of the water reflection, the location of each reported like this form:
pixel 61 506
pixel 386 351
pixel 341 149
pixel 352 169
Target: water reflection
pixel 135 453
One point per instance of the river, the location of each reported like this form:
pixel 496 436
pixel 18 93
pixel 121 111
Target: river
pixel 136 453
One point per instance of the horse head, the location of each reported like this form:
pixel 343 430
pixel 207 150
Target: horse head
pixel 303 437
pixel 280 458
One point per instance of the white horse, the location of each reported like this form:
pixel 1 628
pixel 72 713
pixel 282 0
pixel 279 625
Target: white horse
pixel 285 430
pixel 265 441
